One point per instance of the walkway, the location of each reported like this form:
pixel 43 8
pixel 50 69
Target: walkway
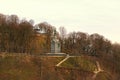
pixel 63 60
pixel 98 70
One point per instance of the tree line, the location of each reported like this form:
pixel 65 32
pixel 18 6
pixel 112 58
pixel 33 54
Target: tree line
pixel 15 35
pixel 19 36
pixel 83 43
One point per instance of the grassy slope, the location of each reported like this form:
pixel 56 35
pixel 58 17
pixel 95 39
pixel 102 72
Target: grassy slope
pixel 36 68
pixel 80 63
pixel 17 68
pixel 24 67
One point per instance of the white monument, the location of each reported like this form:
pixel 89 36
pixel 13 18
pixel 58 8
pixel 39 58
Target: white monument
pixel 55 43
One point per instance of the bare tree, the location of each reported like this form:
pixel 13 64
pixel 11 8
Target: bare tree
pixel 63 32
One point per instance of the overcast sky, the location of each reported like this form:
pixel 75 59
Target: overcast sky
pixel 90 16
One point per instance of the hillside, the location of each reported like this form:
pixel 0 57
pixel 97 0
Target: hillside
pixel 90 56
pixel 29 67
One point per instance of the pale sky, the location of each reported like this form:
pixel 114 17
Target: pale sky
pixel 90 16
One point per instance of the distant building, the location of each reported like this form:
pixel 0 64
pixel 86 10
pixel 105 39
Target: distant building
pixel 55 43
pixel 39 30
pixel 55 46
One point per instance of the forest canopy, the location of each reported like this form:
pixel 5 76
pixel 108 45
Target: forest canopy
pixel 19 36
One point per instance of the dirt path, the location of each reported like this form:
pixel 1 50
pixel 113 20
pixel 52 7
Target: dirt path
pixel 97 70
pixel 63 60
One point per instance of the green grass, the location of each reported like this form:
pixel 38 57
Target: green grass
pixel 80 63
